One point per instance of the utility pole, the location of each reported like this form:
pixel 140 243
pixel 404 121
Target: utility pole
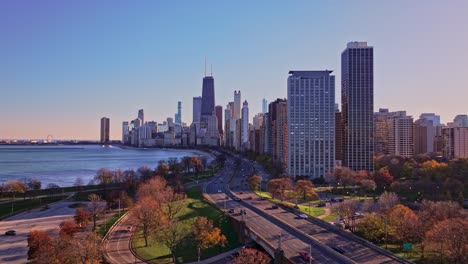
pixel 198 254
pixel 310 253
pixel 119 208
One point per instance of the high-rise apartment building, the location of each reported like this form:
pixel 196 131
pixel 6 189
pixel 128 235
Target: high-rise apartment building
pixel 357 105
pixel 311 123
pixel 208 96
pixel 431 117
pixel 178 115
pixel 237 104
pixel 219 116
pixel 105 130
pixel 461 121
pixel 278 110
pixel 125 133
pixel 455 142
pixel 245 125
pixel 197 103
pixel 393 133
pixel 424 133
pixel 338 137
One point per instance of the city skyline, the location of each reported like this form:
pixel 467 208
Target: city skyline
pixel 61 75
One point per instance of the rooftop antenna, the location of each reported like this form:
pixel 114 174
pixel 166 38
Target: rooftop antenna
pixel 205 66
pixel 211 70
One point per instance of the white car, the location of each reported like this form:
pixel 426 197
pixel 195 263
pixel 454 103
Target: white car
pixel 219 191
pixel 303 216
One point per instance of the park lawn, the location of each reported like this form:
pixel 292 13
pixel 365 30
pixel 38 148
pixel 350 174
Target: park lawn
pixel 24 205
pixel 196 206
pixel 102 228
pixel 330 218
pixel 314 211
pixel 414 255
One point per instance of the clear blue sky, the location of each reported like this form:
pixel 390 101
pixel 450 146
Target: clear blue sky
pixel 65 64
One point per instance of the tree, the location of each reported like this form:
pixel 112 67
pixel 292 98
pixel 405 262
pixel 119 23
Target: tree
pixel 34 184
pixel 187 162
pixel 81 217
pixel 172 233
pixel 305 189
pixel 382 177
pixel 41 247
pixel 15 187
pixel 403 224
pixel 207 236
pixel 87 249
pixel 156 188
pixel 450 239
pixel 96 206
pixel 68 228
pixel 174 165
pixel 371 227
pixel 78 182
pixel 387 201
pixel 277 187
pixel 196 163
pixel 52 186
pixel 254 182
pixel 118 176
pixel 251 256
pixel 346 210
pixel 104 176
pixel 145 173
pixel 149 215
pixel 343 176
pixel 173 203
pixel 162 169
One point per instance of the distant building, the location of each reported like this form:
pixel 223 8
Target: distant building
pixel 431 117
pixel 393 133
pixel 278 110
pixel 424 136
pixel 455 142
pixel 178 115
pixel 461 120
pixel 264 106
pixel 141 115
pixel 338 137
pixel 237 105
pixel 311 123
pixel 245 125
pixel 125 133
pixel 219 116
pixel 208 96
pixel 197 103
pixel 105 130
pixel 357 104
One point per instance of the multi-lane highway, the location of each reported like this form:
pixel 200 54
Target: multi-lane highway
pixel 297 233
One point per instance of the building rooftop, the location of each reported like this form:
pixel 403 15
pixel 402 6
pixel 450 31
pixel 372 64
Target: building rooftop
pixel 310 74
pixel 357 45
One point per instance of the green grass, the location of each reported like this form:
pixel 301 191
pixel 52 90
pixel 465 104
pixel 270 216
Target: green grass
pixel 330 218
pixel 102 229
pixel 314 211
pixel 414 255
pixel 196 206
pixel 24 205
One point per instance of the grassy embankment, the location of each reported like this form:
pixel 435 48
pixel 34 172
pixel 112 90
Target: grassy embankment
pixel 196 206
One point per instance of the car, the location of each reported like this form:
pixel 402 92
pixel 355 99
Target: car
pixel 274 206
pixel 231 211
pixel 219 190
pixel 339 250
pixel 10 233
pixel 304 255
pixel 357 215
pixel 303 216
pixel 237 199
pixel 321 205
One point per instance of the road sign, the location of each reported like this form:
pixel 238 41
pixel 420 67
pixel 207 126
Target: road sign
pixel 407 246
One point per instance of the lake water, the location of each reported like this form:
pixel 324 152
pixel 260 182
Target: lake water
pixel 63 164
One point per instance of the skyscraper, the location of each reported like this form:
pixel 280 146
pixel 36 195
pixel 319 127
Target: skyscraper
pixel 357 105
pixel 141 115
pixel 208 96
pixel 178 115
pixel 197 103
pixel 125 132
pixel 278 110
pixel 264 106
pixel 311 123
pixel 105 130
pixel 219 117
pixel 237 104
pixel 245 124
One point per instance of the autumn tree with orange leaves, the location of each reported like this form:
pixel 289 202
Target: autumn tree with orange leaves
pixel 251 256
pixel 206 235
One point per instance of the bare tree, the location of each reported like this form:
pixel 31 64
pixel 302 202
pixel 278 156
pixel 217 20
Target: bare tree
pixel 149 215
pixel 387 201
pixel 172 234
pixel 96 206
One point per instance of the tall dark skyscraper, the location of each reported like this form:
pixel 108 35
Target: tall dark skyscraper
pixel 208 96
pixel 219 117
pixel 357 104
pixel 105 130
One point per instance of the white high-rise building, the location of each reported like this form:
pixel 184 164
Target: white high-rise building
pixel 311 123
pixel 245 124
